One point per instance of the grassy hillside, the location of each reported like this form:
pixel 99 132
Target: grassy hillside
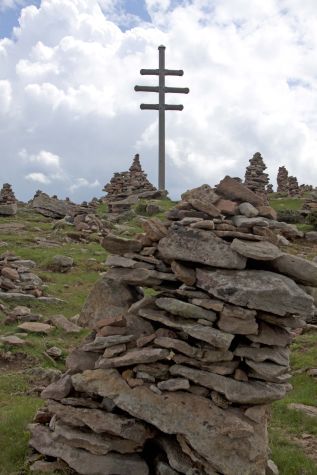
pixel 292 436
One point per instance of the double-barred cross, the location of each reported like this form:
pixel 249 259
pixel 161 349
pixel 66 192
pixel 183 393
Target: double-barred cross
pixel 161 72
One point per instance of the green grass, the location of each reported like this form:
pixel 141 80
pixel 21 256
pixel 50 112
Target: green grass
pixel 282 204
pixel 17 410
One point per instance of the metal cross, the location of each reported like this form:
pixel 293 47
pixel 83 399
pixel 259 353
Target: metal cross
pixel 161 106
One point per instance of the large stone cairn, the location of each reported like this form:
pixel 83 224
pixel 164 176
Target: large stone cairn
pixel 180 380
pixel 17 277
pixel 126 188
pixel 255 178
pixel 8 202
pixel 293 187
pixel 282 180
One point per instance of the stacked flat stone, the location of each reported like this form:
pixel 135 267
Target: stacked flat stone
pixel 305 188
pixel 282 180
pixel 16 277
pixel 52 207
pixel 179 381
pixel 310 203
pixel 269 188
pixel 125 188
pixel 8 202
pixel 255 178
pixel 293 188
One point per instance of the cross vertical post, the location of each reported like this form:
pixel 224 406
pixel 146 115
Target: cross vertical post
pixel 161 170
pixel 162 89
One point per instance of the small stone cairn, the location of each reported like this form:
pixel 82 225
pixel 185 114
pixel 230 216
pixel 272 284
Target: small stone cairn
pixel 8 202
pixel 293 188
pixel 269 188
pixel 282 180
pixel 180 381
pixel 126 188
pixel 16 277
pixel 255 178
pixel 310 204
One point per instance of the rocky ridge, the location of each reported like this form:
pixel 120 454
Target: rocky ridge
pixel 180 381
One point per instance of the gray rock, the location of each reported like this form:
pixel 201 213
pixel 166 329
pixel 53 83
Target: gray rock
pixel 115 296
pixel 62 263
pixel 175 344
pixel 271 468
pixel 185 310
pixel 260 251
pixel 134 357
pixel 118 245
pixel 63 323
pixel 102 342
pixel 231 189
pixel 256 289
pixel 244 222
pixel 248 210
pixel 174 384
pixel 238 320
pixel 271 335
pixel 268 371
pixel 210 431
pixel 141 277
pixel 276 354
pixel 196 245
pixel 79 360
pixel 311 236
pixel 301 270
pixel 59 389
pixel 101 421
pixel 80 460
pixel 235 391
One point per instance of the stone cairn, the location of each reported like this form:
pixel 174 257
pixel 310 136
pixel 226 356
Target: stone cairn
pixel 293 188
pixel 16 277
pixel 180 381
pixel 255 178
pixel 8 202
pixel 126 188
pixel 310 204
pixel 282 180
pixel 269 188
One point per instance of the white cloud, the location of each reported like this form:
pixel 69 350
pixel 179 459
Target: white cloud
pixel 67 99
pixel 7 4
pixel 38 178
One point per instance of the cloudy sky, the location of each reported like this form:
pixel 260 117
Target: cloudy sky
pixel 69 116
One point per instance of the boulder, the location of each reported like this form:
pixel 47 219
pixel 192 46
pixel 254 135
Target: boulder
pixel 301 270
pixel 231 189
pixel 260 251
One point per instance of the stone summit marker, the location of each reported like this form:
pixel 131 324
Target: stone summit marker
pixel 161 106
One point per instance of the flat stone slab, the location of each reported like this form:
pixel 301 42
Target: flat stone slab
pixel 197 245
pixel 301 270
pixel 210 431
pixel 235 391
pixel 118 245
pixel 257 289
pixel 275 354
pixel 42 439
pixel 36 327
pixel 134 357
pixel 308 410
pixel 184 309
pixel 260 251
pixel 233 190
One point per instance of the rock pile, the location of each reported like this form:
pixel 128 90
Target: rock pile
pixel 310 203
pixel 282 180
pixel 52 207
pixel 8 202
pixel 269 188
pixel 126 188
pixel 16 277
pixel 255 178
pixel 293 188
pixel 180 381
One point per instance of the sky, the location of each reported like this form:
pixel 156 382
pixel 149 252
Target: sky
pixel 69 116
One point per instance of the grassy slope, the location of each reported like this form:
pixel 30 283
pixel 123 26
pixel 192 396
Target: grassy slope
pixel 17 409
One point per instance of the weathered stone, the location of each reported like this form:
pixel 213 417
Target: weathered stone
pixel 184 273
pixel 203 224
pixel 227 207
pixel 271 335
pixel 162 468
pixel 185 310
pixel 102 342
pixel 256 289
pixel 112 331
pixel 9 273
pixel 210 431
pixel 276 354
pixel 310 411
pixel 267 371
pixel 36 327
pixel 214 337
pixel 174 384
pixel 231 189
pixel 143 277
pixel 118 245
pixel 195 245
pixel 205 207
pixel 203 193
pixel 177 459
pixel 133 357
pixel 267 212
pixel 154 228
pixel 292 321
pixel 116 321
pixel 107 295
pixel 235 391
pixel 83 462
pixel 260 251
pixel 79 360
pixel 120 261
pixel 101 421
pixel 244 222
pixel 209 304
pixel 63 323
pixel 301 270
pixel 59 389
pixel 271 468
pixel 174 344
pixel 248 210
pixel 114 350
pixel 61 263
pixel 238 320
pixel 93 443
pixel 54 352
pixel 12 340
